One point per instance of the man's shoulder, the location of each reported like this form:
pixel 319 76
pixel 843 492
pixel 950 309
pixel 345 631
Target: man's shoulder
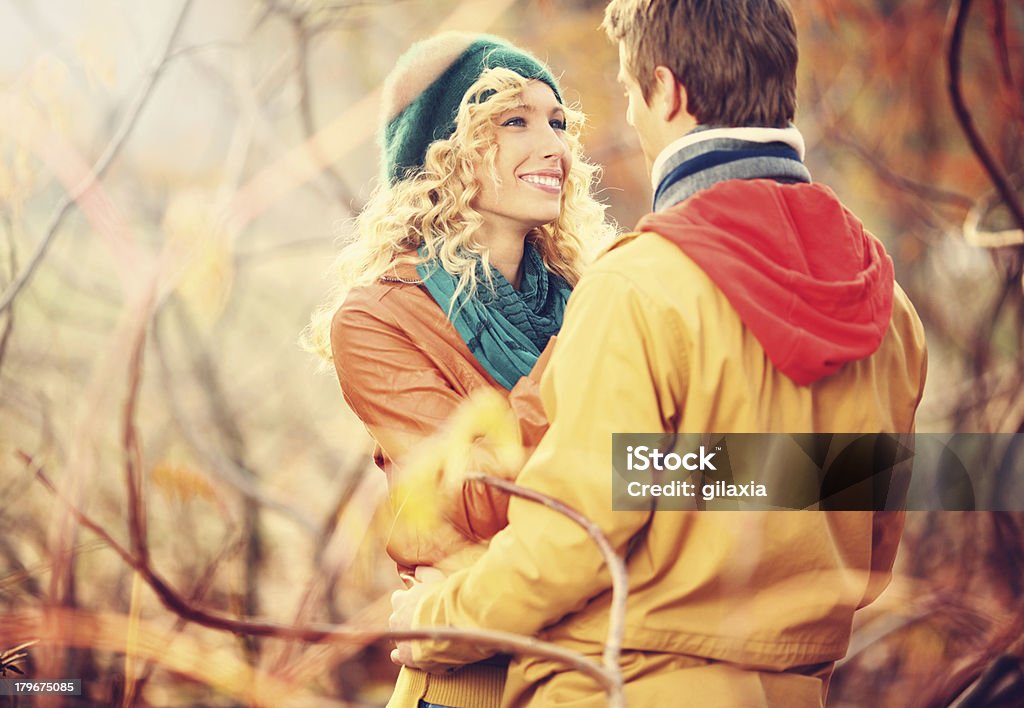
pixel 647 261
pixel 906 322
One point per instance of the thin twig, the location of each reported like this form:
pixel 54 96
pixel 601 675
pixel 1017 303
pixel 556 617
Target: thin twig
pixel 958 681
pixel 955 27
pixel 983 342
pixel 226 470
pixel 617 569
pixel 5 338
pixel 99 169
pixel 199 590
pixel 17 572
pixel 302 40
pixel 890 176
pixel 1001 44
pixel 225 424
pixel 133 452
pixel 974 235
pixel 325 575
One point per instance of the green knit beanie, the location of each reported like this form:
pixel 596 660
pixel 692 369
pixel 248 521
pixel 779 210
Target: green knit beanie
pixel 423 93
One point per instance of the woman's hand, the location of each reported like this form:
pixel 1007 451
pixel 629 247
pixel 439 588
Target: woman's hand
pixel 403 606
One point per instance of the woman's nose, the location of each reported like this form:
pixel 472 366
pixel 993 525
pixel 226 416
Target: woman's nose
pixel 554 143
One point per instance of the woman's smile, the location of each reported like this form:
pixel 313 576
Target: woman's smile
pixel 547 181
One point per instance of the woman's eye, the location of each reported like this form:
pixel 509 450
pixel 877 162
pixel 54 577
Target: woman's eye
pixel 557 124
pixel 516 122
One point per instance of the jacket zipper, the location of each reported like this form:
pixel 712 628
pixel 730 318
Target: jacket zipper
pixel 395 279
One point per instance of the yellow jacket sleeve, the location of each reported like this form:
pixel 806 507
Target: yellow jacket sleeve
pixel 611 371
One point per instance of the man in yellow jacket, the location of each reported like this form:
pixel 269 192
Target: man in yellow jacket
pixel 750 300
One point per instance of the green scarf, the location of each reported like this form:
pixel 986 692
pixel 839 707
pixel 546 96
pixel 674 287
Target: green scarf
pixel 505 329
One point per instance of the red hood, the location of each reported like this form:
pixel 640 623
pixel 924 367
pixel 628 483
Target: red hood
pixel 809 282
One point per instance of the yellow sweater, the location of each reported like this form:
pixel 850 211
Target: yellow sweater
pixel 474 686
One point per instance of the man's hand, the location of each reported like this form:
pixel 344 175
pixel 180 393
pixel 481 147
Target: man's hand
pixel 403 605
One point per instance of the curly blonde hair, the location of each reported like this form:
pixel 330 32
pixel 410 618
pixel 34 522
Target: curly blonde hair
pixel 433 207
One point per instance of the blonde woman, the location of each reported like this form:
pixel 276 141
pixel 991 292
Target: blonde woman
pixel 457 280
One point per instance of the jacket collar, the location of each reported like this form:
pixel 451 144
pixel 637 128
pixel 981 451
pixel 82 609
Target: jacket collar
pixel 403 273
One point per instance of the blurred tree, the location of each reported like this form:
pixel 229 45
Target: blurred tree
pixel 228 146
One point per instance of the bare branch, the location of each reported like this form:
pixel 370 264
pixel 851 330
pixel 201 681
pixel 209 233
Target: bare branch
pixel 976 236
pixel 17 573
pixel 902 182
pixel 617 569
pixel 175 602
pixel 326 571
pixel 227 470
pixel 346 132
pixel 302 40
pixel 958 681
pixel 955 27
pixel 1001 44
pixel 199 590
pixel 133 453
pixel 100 168
pixel 5 338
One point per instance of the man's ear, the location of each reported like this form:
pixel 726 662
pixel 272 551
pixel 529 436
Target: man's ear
pixel 669 94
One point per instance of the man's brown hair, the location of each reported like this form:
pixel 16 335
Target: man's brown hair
pixel 735 58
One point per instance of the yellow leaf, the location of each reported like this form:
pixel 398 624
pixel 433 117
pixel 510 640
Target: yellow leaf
pixel 482 426
pixel 181 482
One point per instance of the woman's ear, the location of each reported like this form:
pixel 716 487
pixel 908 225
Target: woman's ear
pixel 669 95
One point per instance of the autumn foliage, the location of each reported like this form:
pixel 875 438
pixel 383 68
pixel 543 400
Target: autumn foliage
pixel 189 514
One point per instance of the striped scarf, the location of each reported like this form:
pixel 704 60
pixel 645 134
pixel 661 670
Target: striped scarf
pixel 708 155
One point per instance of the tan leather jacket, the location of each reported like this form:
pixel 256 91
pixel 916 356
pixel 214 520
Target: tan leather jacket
pixel 404 369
